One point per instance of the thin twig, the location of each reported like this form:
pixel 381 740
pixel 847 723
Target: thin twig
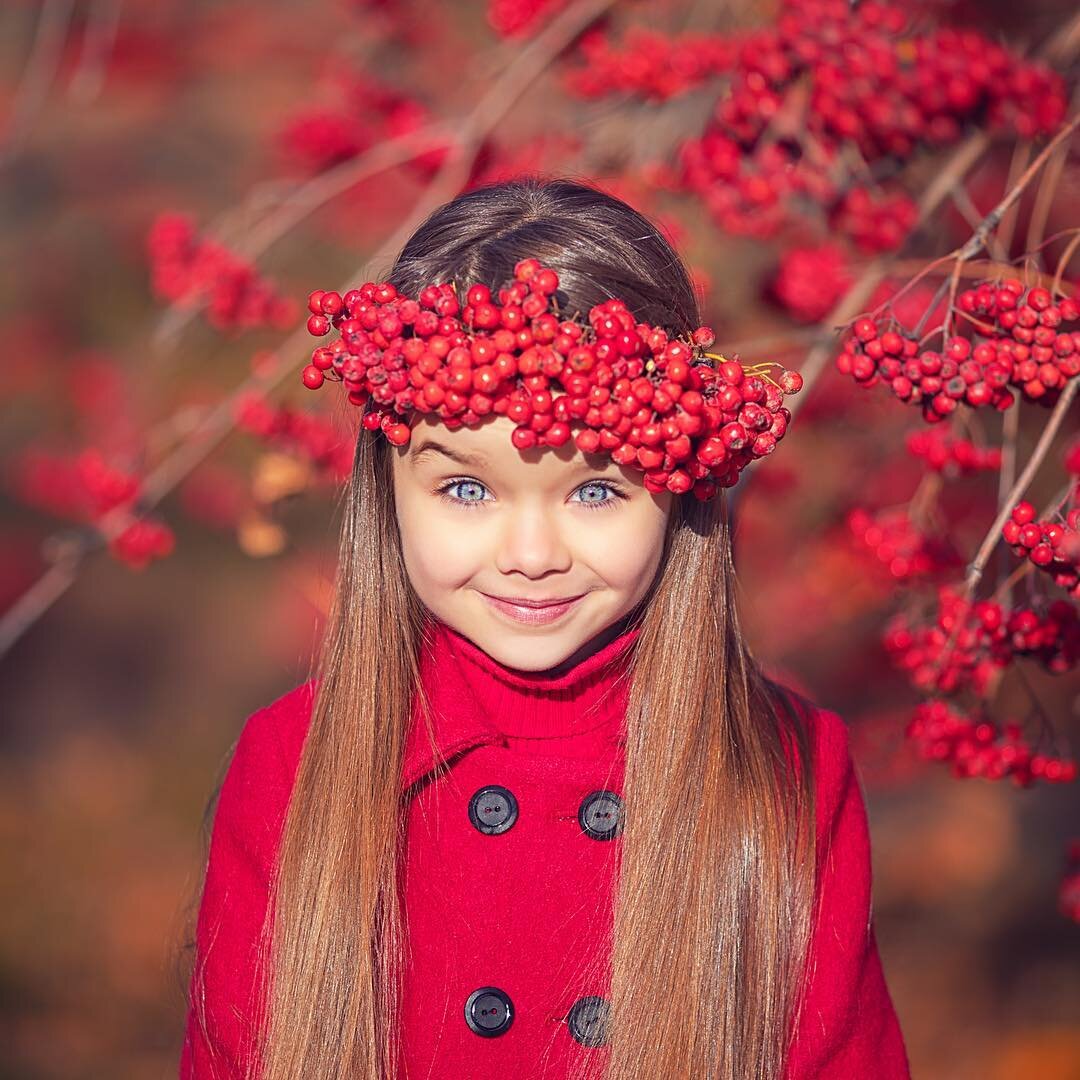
pixel 41 67
pixel 978 239
pixel 1063 263
pixel 1010 430
pixel 1044 199
pixel 1020 158
pixel 99 38
pixel 973 269
pixel 970 212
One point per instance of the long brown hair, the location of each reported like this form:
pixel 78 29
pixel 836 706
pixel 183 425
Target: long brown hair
pixel 715 890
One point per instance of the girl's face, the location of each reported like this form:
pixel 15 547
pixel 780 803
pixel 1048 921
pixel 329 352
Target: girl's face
pixel 483 522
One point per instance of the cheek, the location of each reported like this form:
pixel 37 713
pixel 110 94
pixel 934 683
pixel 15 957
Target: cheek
pixel 626 556
pixel 432 560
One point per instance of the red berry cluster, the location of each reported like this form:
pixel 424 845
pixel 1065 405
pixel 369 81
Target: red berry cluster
pixel 650 64
pixel 944 453
pixel 752 191
pixel 1053 638
pixel 86 488
pixel 312 437
pixel 190 271
pixel 653 402
pixel 829 82
pixel 365 113
pixel 894 539
pixel 980 747
pixel 875 219
pixel 1027 327
pixel 988 639
pixel 1018 337
pixel 1050 545
pixel 810 281
pixel 83 488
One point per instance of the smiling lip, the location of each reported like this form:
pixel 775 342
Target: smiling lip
pixel 533 611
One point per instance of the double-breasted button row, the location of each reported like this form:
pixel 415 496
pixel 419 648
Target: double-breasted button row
pixel 493 809
pixel 490 1012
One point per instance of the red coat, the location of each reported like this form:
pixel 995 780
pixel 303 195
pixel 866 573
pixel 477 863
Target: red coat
pixel 508 880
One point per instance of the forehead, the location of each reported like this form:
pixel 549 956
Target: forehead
pixel 488 446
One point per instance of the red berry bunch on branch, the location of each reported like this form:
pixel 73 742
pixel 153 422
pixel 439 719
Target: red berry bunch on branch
pixel 1052 546
pixel 981 747
pixel 829 84
pixel 1018 337
pixel 653 402
pixel 906 550
pixel 362 113
pixel 962 646
pixel 650 64
pixel 190 271
pixel 87 488
pixel 952 456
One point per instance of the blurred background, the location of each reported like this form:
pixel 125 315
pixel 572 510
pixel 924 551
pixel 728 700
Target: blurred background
pixel 176 177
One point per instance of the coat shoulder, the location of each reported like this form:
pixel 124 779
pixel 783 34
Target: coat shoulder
pixel 284 722
pixel 266 756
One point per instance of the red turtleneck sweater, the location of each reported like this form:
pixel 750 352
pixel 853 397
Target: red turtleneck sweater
pixel 508 879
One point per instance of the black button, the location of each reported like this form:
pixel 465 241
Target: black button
pixel 489 1011
pixel 588 1020
pixel 601 815
pixel 493 809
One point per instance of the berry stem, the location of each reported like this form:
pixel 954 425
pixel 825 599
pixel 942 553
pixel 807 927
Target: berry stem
pixel 1020 157
pixel 978 240
pixel 1063 262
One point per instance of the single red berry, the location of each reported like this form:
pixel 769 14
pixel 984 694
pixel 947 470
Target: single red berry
pixel 791 382
pixel 1042 555
pixel 1023 512
pixel 865 329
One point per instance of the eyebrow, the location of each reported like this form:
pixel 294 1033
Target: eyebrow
pixel 454 455
pixel 478 460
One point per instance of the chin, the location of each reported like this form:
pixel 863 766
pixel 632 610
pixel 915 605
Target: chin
pixel 535 651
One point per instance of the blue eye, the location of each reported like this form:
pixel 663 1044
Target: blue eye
pixel 465 484
pixel 611 497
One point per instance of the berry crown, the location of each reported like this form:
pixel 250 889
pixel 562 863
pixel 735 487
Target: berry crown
pixel 689 419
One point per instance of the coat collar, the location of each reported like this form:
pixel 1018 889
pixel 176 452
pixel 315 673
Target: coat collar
pixel 476 701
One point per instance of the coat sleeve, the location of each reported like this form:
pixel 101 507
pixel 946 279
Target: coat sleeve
pixel 848 1025
pixel 224 1004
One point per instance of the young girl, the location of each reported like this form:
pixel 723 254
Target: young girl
pixel 540 813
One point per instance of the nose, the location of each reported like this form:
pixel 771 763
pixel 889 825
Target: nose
pixel 532 543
